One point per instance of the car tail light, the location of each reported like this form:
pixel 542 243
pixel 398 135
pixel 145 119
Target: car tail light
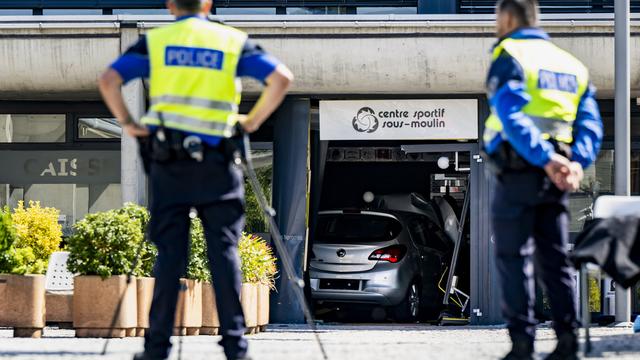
pixel 392 254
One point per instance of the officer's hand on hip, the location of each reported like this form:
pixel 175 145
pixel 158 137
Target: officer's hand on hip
pixel 136 130
pixel 247 124
pixel 577 174
pixel 558 169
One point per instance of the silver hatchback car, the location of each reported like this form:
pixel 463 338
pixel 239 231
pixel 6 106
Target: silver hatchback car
pixel 388 258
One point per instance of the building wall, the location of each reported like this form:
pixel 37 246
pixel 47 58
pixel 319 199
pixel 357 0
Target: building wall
pixel 413 55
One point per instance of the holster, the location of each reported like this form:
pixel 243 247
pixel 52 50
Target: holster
pixel 155 149
pixel 507 160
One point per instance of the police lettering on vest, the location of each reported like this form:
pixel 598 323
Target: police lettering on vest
pixel 550 80
pixel 188 56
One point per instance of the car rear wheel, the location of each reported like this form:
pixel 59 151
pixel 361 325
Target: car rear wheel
pixel 409 309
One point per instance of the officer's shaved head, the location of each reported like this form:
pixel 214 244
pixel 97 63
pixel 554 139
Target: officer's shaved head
pixel 193 6
pixel 525 11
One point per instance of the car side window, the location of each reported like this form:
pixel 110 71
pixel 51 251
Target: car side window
pixel 426 233
pixel 418 230
pixel 437 237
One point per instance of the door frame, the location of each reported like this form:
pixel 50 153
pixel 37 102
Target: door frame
pixel 484 307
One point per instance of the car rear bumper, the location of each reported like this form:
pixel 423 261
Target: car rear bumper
pixel 385 285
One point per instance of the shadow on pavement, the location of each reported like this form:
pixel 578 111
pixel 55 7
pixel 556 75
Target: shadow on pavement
pixel 52 354
pixel 619 344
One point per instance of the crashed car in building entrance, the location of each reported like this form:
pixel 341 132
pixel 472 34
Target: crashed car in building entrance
pixel 392 254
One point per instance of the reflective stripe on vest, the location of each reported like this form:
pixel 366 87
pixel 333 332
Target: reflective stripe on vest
pixel 196 102
pixel 193 76
pixel 555 81
pixel 181 122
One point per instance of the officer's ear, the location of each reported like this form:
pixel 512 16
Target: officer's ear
pixel 171 5
pixel 206 6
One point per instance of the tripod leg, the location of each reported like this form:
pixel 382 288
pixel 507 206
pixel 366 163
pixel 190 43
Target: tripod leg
pixel 285 258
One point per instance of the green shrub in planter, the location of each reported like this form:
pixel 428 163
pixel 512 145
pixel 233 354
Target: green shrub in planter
pixel 258 264
pixel 198 267
pixel 148 252
pixel 7 231
pixel 255 220
pixel 105 244
pixel 16 260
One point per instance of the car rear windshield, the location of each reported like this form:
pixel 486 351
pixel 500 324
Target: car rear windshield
pixel 357 228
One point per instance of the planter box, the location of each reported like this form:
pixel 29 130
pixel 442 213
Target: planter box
pixel 144 289
pixel 249 301
pixel 189 308
pixel 95 302
pixel 210 319
pixel 22 304
pixel 59 307
pixel 264 292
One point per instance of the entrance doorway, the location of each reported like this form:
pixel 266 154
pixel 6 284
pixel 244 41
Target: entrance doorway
pixel 387 228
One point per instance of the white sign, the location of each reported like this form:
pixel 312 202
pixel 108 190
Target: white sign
pixel 399 119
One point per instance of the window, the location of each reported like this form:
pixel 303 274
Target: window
pixel 246 11
pixel 598 180
pixel 73 200
pixel 99 128
pixel 419 232
pixel 28 128
pixel 386 10
pixel 72 12
pixel 316 10
pixel 140 12
pixel 425 233
pixel 65 155
pixel 15 12
pixel 256 222
pixel 357 228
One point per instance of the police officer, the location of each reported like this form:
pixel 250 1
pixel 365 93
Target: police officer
pixel 193 66
pixel 543 130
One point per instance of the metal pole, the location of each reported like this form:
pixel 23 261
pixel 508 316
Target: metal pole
pixel 622 129
pixel 456 250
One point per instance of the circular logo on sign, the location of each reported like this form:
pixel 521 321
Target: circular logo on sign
pixel 366 120
pixel 341 253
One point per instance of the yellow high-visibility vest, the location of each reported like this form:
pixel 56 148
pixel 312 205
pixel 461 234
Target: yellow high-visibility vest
pixel 554 79
pixel 193 84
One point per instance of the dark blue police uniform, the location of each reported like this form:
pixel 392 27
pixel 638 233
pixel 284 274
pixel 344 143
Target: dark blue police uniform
pixel 529 214
pixel 215 188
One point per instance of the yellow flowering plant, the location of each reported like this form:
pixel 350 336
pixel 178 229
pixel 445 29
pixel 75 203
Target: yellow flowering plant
pixel 38 230
pixel 258 264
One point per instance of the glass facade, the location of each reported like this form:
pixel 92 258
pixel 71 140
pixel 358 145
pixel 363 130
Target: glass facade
pixel 599 180
pixel 74 168
pixel 72 12
pixel 73 200
pixel 140 12
pixel 386 10
pixel 316 10
pixel 246 11
pixel 30 128
pixel 15 12
pixel 256 223
pixel 99 128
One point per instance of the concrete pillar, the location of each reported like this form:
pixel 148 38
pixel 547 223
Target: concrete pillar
pixel 133 179
pixel 290 194
pixel 485 290
pixel 437 7
pixel 622 129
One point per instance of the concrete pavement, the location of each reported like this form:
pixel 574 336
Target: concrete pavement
pixel 343 342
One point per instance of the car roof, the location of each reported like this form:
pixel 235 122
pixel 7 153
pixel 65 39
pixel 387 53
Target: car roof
pixel 394 214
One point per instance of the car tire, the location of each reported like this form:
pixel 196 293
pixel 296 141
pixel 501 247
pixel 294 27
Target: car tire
pixel 409 308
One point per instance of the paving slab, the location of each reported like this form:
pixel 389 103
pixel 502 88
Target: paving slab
pixel 343 342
